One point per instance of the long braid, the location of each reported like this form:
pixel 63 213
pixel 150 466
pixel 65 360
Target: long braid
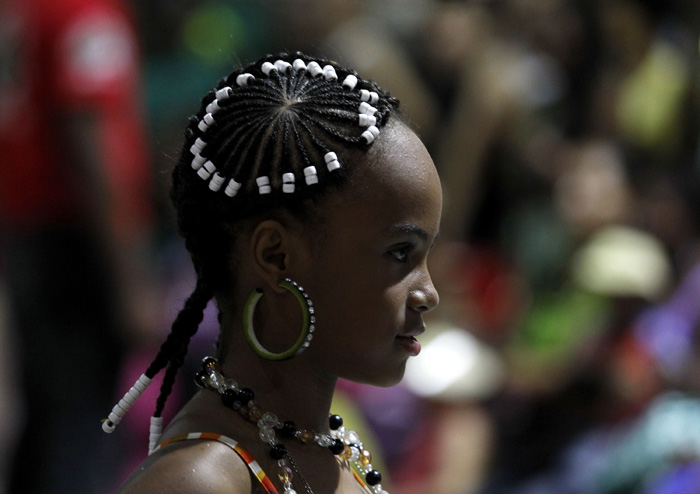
pixel 285 114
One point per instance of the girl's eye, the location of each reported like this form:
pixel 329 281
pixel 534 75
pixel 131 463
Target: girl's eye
pixel 401 253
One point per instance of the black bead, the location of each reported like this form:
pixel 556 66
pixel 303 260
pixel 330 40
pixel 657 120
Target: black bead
pixel 200 379
pixel 289 428
pixel 373 477
pixel 228 397
pixel 335 422
pixel 245 395
pixel 337 447
pixel 278 451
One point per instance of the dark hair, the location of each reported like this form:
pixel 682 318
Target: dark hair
pixel 266 119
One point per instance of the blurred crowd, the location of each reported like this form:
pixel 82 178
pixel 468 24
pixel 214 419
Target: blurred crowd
pixel 564 357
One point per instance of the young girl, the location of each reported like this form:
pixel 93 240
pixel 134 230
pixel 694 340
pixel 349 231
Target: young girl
pixel 309 208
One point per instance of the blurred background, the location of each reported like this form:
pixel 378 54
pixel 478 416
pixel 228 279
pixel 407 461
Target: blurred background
pixel 564 356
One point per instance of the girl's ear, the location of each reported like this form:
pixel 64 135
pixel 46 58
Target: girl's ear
pixel 273 250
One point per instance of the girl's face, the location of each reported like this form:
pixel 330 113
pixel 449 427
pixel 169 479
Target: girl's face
pixel 369 278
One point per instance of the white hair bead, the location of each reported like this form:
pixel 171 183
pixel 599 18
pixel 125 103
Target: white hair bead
pixel 268 67
pixel 364 95
pixel 216 182
pixel 207 169
pixel 282 66
pixel 288 183
pixel 314 69
pixel 373 97
pixel 369 135
pixel 206 122
pixel 366 120
pixel 333 165
pixel 224 93
pixel 299 64
pixel 367 109
pixel 198 146
pixel 310 175
pixel 263 184
pixel 142 383
pixel 350 82
pixel 125 403
pixel 156 431
pixel 330 156
pixel 213 107
pixel 232 188
pixel 244 79
pixel 198 161
pixel 329 72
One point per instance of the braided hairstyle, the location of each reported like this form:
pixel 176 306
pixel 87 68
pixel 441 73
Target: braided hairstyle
pixel 271 136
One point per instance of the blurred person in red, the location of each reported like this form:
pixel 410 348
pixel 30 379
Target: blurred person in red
pixel 74 219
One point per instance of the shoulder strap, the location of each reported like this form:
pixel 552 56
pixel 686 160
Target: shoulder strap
pixel 240 451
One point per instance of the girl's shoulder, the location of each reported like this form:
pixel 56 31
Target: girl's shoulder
pixel 192 466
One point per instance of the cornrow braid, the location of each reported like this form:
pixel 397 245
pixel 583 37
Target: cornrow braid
pixel 275 134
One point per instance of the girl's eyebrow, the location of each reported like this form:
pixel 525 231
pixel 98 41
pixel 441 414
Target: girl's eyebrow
pixel 407 229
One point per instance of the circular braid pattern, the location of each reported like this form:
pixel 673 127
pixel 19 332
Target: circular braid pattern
pixel 271 135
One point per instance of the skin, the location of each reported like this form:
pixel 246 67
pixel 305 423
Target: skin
pixel 368 278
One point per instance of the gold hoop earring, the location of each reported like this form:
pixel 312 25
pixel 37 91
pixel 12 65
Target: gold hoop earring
pixel 308 324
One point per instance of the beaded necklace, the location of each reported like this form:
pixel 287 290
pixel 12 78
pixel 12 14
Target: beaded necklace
pixel 343 443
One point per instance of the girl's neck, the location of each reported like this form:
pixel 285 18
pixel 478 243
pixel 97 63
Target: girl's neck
pixel 290 389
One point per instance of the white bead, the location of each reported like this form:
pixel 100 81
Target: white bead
pixel 282 66
pixel 223 93
pixel 232 188
pixel 329 72
pixel 244 79
pixel 309 170
pixel 368 136
pixel 373 97
pixel 142 383
pixel 115 416
pixel 206 122
pixel 198 146
pixel 262 180
pixel 265 189
pixel 350 82
pixel 364 95
pixel 314 69
pixel 124 404
pixel 213 107
pixel 156 424
pixel 367 109
pixel 366 120
pixel 216 182
pixel 311 179
pixel 374 130
pixel 299 64
pixel 267 67
pixel 330 156
pixel 108 427
pixel 352 437
pixel 198 161
pixel 333 165
pixel 207 169
pixel 288 183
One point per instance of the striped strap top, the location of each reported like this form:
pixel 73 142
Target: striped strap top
pixel 241 452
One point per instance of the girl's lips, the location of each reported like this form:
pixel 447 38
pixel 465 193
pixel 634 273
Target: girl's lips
pixel 410 344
